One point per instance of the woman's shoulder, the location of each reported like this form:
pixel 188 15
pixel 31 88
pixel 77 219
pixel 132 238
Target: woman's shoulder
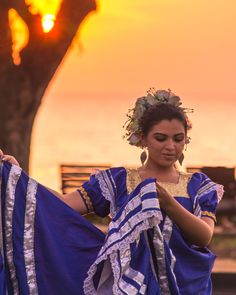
pixel 117 170
pixel 113 175
pixel 201 184
pixel 192 181
pixel 109 171
pixel 114 172
pixel 125 178
pixel 199 178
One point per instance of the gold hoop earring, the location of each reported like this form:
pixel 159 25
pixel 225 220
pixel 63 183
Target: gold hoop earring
pixel 143 157
pixel 187 141
pixel 181 159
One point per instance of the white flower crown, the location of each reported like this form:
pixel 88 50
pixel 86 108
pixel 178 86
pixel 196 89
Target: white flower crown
pixel 154 97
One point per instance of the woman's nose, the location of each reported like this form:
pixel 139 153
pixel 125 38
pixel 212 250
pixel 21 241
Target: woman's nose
pixel 170 144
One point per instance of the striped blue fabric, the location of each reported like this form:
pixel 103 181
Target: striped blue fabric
pixel 46 247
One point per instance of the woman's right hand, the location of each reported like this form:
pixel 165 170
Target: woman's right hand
pixel 9 158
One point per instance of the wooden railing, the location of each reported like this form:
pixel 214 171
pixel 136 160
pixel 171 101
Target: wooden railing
pixel 223 283
pixel 73 175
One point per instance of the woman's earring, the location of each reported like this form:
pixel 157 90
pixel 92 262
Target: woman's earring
pixel 143 157
pixel 187 142
pixel 181 159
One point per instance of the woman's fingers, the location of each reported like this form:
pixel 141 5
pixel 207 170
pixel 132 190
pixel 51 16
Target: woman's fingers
pixel 9 158
pixel 162 192
pixel 160 188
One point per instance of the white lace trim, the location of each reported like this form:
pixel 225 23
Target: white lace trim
pixel 107 189
pixel 29 233
pixel 167 232
pixel 13 179
pixel 118 229
pixel 116 273
pixel 149 220
pixel 220 191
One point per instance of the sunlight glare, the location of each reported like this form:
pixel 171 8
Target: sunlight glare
pixel 48 21
pixel 19 30
pixel 19 33
pixel 43 7
pixel 48 11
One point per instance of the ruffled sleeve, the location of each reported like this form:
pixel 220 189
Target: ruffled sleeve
pixel 100 192
pixel 206 194
pixel 91 193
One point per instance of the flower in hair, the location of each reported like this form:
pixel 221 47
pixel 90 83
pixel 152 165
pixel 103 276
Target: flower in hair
pixel 153 97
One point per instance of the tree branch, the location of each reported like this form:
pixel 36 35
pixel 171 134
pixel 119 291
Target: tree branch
pixel 24 12
pixel 50 48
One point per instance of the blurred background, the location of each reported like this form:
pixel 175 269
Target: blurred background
pixel 120 51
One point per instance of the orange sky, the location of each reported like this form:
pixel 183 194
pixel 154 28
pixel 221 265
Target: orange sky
pixel 122 50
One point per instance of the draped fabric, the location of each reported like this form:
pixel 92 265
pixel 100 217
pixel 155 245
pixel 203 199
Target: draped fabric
pixel 144 251
pixel 48 248
pixel 128 252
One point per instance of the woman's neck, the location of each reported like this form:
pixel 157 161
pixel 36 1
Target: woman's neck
pixel 162 173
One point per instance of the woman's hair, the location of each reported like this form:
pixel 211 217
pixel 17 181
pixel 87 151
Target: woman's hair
pixel 162 111
pixel 156 106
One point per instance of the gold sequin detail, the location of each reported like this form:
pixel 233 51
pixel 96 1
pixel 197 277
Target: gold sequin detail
pixel 178 189
pixel 207 213
pixel 175 189
pixel 87 199
pixel 132 179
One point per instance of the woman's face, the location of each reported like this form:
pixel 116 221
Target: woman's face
pixel 165 142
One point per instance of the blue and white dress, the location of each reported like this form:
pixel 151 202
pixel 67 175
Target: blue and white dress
pixel 48 248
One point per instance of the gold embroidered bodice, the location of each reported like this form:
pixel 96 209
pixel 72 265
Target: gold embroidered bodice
pixel 175 189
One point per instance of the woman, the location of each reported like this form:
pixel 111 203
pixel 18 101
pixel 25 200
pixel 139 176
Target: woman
pixel 162 219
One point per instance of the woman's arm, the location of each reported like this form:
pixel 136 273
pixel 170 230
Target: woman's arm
pixel 73 199
pixel 197 230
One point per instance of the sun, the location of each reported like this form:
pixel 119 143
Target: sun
pixel 48 21
pixel 47 9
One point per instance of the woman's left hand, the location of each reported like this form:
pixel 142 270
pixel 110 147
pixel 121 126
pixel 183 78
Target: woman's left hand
pixel 164 197
pixel 197 231
pixel 9 158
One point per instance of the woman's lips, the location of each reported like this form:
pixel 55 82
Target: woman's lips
pixel 169 156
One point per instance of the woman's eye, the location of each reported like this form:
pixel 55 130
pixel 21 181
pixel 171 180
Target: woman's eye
pixel 160 138
pixel 179 138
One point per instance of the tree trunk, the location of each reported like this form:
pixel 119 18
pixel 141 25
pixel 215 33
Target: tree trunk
pixel 22 87
pixel 17 113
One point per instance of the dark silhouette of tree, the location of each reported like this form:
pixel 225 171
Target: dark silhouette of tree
pixel 23 86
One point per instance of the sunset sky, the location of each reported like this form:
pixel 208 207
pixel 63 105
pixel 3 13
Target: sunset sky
pixel 123 49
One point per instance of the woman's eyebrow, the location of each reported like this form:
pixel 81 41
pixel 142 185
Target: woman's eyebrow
pixel 159 133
